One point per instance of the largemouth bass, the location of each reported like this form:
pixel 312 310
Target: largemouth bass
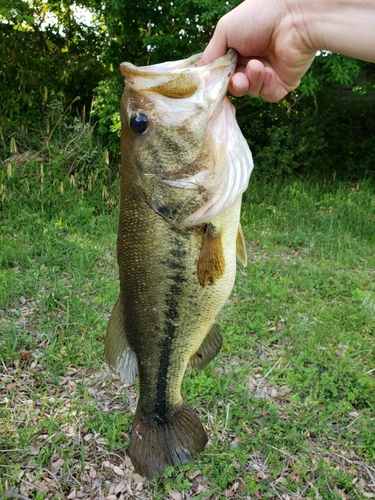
pixel 185 165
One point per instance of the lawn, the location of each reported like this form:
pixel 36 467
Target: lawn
pixel 289 403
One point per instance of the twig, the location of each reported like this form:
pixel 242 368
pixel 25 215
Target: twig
pixel 269 371
pixel 296 100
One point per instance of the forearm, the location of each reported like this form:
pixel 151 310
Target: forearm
pixel 343 26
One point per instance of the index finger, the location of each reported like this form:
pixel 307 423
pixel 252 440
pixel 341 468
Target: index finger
pixel 216 48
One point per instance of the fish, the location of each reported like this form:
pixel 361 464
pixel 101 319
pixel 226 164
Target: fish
pixel 185 165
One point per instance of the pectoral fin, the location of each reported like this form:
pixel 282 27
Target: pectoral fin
pixel 208 350
pixel 121 358
pixel 241 247
pixel 211 262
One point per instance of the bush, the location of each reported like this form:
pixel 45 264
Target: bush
pixel 324 135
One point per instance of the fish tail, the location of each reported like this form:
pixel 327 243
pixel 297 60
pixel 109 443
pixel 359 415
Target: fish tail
pixel 155 446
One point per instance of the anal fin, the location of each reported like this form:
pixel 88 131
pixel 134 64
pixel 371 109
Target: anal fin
pixel 241 247
pixel 121 358
pixel 211 262
pixel 208 350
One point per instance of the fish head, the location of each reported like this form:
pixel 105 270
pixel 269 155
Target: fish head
pixel 181 145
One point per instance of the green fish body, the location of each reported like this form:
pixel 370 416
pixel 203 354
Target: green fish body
pixel 178 237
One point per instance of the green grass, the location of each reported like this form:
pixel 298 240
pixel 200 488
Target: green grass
pixel 289 404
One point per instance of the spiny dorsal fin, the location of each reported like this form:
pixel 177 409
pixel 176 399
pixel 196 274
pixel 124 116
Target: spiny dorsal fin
pixel 208 350
pixel 211 262
pixel 241 247
pixel 121 358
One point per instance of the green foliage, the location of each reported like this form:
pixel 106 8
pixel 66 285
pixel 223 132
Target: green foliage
pixel 330 68
pixel 107 111
pixel 50 55
pixel 45 51
pixel 301 134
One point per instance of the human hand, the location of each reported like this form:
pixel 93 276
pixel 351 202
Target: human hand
pixel 275 50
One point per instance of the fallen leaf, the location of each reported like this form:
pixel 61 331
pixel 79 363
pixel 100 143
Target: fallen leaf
pixel 34 448
pixel 194 474
pixel 232 490
pixel 136 478
pixel 119 488
pixel 57 465
pixel 294 477
pixel 175 495
pixel 117 470
pixel 25 355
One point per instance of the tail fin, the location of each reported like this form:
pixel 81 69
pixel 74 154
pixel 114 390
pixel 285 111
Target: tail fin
pixel 153 447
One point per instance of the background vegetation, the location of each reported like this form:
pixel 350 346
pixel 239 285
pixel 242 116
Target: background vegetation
pixel 289 403
pixel 57 59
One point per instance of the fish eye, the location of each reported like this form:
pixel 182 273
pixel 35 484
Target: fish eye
pixel 139 123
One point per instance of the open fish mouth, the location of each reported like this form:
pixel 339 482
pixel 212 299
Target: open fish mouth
pixel 217 170
pixel 176 79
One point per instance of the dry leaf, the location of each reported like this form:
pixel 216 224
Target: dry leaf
pixel 70 431
pixel 232 490
pixel 200 489
pixel 34 448
pixel 57 465
pixel 117 470
pixel 139 487
pixel 25 355
pixel 294 477
pixel 194 474
pixel 175 495
pixel 339 491
pixel 136 478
